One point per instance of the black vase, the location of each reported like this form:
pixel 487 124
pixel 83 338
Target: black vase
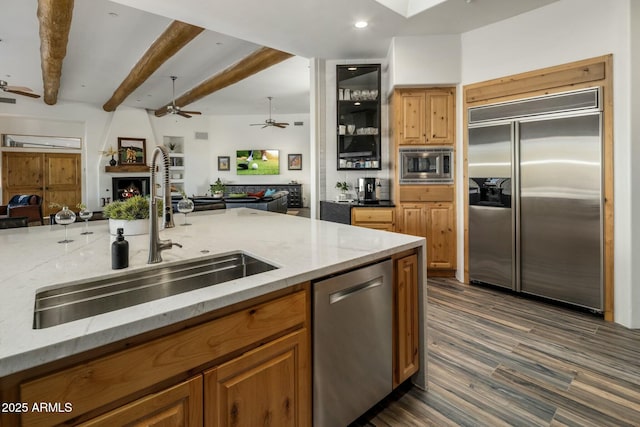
pixel 112 162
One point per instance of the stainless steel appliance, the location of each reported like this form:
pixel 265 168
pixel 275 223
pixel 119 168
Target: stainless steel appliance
pixel 423 165
pixel 352 359
pixel 369 189
pixel 535 197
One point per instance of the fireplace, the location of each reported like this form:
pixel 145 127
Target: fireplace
pixel 123 188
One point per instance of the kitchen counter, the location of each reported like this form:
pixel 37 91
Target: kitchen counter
pixel 303 249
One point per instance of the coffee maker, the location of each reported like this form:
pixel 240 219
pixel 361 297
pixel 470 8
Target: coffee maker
pixel 369 190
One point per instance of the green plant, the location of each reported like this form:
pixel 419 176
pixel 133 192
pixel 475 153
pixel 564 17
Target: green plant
pixel 217 186
pixel 136 207
pixel 81 206
pixel 343 186
pixel 172 146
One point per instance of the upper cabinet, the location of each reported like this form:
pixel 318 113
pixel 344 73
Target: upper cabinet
pixel 358 116
pixel 425 116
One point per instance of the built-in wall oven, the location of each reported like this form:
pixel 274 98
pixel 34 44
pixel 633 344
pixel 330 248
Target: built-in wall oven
pixel 426 165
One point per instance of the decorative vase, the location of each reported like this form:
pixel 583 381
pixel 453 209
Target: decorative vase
pixel 133 227
pixel 112 162
pixel 185 206
pixel 65 217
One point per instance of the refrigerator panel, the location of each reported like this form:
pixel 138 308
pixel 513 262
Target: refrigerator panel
pixel 491 236
pixel 560 209
pixel 490 246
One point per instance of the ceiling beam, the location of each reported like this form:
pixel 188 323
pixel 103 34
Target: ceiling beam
pixel 55 22
pixel 257 61
pixel 174 38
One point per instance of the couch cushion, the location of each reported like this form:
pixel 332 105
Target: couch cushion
pixel 259 194
pixel 269 192
pixel 23 200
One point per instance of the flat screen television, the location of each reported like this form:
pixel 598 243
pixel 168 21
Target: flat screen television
pixel 258 162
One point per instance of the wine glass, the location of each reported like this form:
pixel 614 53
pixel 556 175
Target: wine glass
pixel 185 206
pixel 65 217
pixel 85 215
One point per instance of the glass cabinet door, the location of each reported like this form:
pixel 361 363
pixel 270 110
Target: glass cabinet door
pixel 358 116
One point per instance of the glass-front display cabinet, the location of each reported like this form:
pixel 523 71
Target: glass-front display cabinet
pixel 358 116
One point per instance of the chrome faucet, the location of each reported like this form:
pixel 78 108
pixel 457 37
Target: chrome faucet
pixel 156 246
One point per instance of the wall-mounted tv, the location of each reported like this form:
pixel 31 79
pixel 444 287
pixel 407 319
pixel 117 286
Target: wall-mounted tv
pixel 258 162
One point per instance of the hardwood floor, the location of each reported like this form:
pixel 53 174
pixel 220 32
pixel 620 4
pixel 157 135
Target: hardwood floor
pixel 497 359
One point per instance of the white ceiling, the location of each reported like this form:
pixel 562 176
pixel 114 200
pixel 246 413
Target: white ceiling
pixel 103 48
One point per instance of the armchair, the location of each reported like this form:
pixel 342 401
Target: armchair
pixel 29 206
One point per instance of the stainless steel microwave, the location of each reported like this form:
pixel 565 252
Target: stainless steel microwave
pixel 426 165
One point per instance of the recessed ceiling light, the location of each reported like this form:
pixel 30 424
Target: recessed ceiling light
pixel 356 103
pixel 352 68
pixel 361 24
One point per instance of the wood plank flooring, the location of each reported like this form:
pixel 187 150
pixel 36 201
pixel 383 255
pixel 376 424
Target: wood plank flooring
pixel 499 359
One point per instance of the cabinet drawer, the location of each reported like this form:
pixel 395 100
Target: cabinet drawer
pixel 371 215
pixel 110 378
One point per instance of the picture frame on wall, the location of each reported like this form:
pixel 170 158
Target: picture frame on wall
pixel 224 163
pixel 295 162
pixel 131 151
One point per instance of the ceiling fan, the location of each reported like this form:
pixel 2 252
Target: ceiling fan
pixel 173 108
pixel 19 90
pixel 270 121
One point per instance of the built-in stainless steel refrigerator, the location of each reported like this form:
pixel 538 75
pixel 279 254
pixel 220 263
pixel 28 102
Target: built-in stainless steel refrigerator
pixel 535 197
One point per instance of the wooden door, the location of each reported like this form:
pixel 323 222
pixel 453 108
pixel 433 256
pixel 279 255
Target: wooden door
pixel 406 316
pixel 22 173
pixel 410 117
pixel 268 386
pixel 413 219
pixel 440 116
pixel 177 406
pixel 63 181
pixel 56 177
pixel 441 244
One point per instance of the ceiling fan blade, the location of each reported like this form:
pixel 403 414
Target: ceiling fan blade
pixel 256 124
pixel 279 125
pixel 20 88
pixel 183 114
pixel 191 112
pixel 161 112
pixel 20 92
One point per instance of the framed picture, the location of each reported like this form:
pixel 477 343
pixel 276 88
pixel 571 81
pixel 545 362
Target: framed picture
pixel 295 162
pixel 131 151
pixel 224 163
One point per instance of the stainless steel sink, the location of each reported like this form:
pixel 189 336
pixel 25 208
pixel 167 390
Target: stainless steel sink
pixel 88 298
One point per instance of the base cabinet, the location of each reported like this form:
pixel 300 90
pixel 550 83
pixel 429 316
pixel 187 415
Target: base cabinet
pixel 436 222
pixel 406 319
pixel 264 387
pixel 177 406
pixel 376 218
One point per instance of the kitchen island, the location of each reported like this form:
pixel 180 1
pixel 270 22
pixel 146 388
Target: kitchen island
pixel 302 249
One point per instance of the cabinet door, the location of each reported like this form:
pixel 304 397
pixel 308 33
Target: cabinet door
pixel 376 218
pixel 406 319
pixel 268 386
pixel 413 219
pixel 441 244
pixel 22 173
pixel 178 406
pixel 440 116
pixel 410 116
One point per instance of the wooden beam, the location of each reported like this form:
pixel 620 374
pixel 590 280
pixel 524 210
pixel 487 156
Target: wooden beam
pixel 174 38
pixel 55 22
pixel 257 61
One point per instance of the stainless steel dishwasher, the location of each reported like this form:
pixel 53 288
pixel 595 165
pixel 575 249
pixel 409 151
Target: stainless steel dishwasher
pixel 352 348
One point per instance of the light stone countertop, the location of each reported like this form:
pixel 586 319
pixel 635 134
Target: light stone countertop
pixel 303 249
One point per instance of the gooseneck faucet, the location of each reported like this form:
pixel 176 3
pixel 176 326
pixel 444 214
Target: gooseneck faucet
pixel 156 246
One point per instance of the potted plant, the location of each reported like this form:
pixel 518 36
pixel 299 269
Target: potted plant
pixel 172 146
pixel 217 188
pixel 131 214
pixel 343 186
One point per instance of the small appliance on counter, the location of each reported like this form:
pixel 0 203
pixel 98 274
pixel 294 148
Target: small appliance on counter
pixel 369 190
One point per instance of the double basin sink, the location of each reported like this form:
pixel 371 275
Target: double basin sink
pixel 89 298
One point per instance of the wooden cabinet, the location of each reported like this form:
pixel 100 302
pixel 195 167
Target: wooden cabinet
pixel 56 177
pixel 436 222
pixel 405 319
pixel 269 340
pixel 177 406
pixel 376 218
pixel 264 387
pixel 424 116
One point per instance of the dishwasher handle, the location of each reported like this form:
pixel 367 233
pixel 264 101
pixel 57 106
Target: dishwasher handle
pixel 352 290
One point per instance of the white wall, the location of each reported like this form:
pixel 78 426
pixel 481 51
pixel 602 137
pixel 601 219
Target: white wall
pixel 634 298
pixel 424 60
pixel 565 31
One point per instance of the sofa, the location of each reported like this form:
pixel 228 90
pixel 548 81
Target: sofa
pixel 275 201
pixel 28 205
